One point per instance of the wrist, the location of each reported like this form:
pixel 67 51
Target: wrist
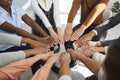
pixel 92 34
pixel 69 25
pixel 28 53
pixel 25 40
pixel 83 26
pixel 98 43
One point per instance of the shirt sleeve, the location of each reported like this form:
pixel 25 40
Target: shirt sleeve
pixel 108 24
pixel 100 74
pixel 10 39
pixel 1 20
pixel 22 12
pixel 65 77
pixel 42 73
pixel 98 57
pixel 56 13
pixel 40 13
pixel 15 69
pixel 8 57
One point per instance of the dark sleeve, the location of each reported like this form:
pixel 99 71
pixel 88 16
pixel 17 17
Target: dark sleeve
pixel 108 24
pixel 107 42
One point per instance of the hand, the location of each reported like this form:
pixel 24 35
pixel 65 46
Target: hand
pixel 45 56
pixel 77 33
pixel 97 49
pixel 53 58
pixel 35 51
pixel 75 54
pixel 65 58
pixel 92 43
pixel 68 32
pixel 34 44
pixel 53 35
pixel 85 38
pixel 85 50
pixel 51 39
pixel 44 40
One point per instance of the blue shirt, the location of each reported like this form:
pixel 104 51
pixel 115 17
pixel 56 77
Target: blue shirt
pixel 15 19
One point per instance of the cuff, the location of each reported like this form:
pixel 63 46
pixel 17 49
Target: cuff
pixel 65 77
pixel 98 57
pixel 95 32
pixel 106 49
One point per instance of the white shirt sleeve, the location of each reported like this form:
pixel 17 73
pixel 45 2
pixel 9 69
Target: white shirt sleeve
pixel 40 13
pixel 98 57
pixel 106 49
pixel 56 13
pixel 100 74
pixel 1 20
pixel 65 77
pixel 95 32
pixel 10 39
pixel 8 57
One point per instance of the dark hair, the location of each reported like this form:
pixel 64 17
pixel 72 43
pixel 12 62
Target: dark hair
pixel 112 64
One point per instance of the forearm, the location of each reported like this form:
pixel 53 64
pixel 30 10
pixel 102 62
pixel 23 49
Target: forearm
pixel 15 69
pixel 73 11
pixel 93 15
pixel 93 65
pixel 12 29
pixel 34 25
pixel 64 70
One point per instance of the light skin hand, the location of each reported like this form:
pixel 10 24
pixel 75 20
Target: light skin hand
pixel 77 33
pixel 97 49
pixel 75 54
pixel 65 58
pixel 35 51
pixel 43 40
pixel 86 51
pixel 34 43
pixel 52 59
pixel 85 38
pixel 68 32
pixel 94 43
pixel 44 56
pixel 53 35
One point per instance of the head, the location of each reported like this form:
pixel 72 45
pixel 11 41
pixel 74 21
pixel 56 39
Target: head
pixel 6 3
pixel 111 64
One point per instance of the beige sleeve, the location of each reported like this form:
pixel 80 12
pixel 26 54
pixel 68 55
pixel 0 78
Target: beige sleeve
pixel 8 57
pixel 10 39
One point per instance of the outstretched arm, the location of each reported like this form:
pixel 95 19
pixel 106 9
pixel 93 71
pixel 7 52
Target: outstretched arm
pixel 99 8
pixel 42 73
pixel 13 70
pixel 93 65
